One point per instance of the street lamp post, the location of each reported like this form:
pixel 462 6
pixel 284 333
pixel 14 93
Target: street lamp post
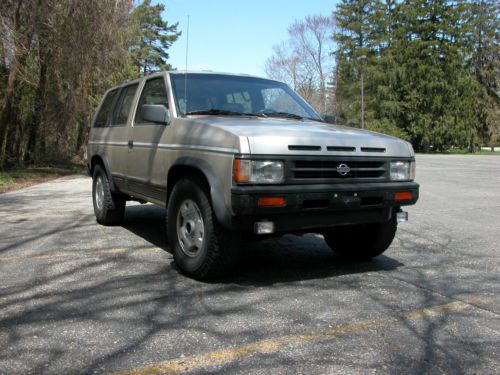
pixel 361 60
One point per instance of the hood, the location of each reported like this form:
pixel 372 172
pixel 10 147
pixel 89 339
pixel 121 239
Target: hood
pixel 284 137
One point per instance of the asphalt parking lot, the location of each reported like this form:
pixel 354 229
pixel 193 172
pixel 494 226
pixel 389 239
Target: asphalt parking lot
pixel 77 297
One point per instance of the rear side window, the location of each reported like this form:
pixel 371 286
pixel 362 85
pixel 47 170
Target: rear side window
pixel 154 92
pixel 102 116
pixel 122 108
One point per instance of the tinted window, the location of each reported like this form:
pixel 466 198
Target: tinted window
pixel 102 116
pixel 122 108
pixel 154 92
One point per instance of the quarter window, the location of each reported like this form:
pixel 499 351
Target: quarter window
pixel 154 92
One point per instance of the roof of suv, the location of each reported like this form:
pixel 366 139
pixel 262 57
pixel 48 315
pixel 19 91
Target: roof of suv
pixel 125 83
pixel 212 72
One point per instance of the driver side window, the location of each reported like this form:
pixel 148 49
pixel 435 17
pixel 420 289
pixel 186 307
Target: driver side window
pixel 154 92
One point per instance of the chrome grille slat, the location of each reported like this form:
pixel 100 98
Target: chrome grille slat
pixel 335 169
pixel 325 170
pixel 334 163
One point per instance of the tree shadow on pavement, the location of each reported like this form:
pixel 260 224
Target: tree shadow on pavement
pixel 107 311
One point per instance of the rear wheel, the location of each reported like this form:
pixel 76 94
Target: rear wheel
pixel 202 248
pixel 363 241
pixel 109 207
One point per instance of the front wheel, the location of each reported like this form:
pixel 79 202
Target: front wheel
pixel 202 248
pixel 363 241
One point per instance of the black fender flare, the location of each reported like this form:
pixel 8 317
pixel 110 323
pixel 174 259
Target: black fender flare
pixel 104 159
pixel 222 212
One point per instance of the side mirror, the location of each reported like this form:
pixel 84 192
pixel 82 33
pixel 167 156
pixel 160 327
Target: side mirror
pixel 330 119
pixel 156 113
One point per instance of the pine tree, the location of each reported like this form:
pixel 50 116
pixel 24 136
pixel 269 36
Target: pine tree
pixel 437 90
pixel 385 72
pixel 484 49
pixel 152 37
pixel 352 55
pixel 418 81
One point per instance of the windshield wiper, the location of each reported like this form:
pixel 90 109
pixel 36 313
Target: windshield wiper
pixel 222 112
pixel 284 115
pixel 212 111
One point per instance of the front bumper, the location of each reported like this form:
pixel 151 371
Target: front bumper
pixel 322 205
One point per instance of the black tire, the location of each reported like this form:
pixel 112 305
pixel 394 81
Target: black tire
pixel 202 248
pixel 109 207
pixel 361 242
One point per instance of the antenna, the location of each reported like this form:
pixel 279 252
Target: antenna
pixel 186 66
pixel 187 43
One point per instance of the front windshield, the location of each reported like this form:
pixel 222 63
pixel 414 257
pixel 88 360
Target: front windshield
pixel 218 94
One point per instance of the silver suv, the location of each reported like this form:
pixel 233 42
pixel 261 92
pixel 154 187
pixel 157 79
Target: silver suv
pixel 235 156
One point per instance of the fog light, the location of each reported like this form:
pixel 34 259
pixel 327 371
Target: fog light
pixel 264 227
pixel 401 217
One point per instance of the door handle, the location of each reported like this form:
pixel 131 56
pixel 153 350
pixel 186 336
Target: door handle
pixel 130 144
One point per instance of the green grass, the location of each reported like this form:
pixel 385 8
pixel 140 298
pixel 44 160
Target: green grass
pixel 461 151
pixel 6 179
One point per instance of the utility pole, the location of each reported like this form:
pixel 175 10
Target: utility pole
pixel 362 60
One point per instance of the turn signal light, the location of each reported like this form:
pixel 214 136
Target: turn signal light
pixel 241 171
pixel 403 196
pixel 272 202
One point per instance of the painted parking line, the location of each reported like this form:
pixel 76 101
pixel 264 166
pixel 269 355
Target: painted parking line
pixel 228 355
pixel 61 254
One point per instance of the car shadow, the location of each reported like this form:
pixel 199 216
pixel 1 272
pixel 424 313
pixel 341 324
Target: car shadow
pixel 276 260
pixel 295 258
pixel 148 222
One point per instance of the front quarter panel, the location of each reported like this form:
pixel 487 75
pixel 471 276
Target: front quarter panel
pixel 209 149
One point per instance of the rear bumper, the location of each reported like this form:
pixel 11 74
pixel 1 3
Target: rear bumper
pixel 320 206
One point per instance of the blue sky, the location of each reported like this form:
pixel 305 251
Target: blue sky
pixel 235 36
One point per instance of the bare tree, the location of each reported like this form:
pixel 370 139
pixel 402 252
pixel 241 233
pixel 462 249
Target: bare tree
pixel 304 61
pixel 57 58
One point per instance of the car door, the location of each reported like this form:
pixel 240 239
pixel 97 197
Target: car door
pixel 146 171
pixel 110 133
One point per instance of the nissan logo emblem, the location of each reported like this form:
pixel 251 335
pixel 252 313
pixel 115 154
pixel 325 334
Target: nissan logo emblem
pixel 343 169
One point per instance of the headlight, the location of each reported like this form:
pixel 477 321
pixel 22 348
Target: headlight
pixel 402 170
pixel 258 171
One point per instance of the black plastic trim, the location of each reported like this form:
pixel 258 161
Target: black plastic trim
pixel 341 203
pixel 287 189
pixel 222 212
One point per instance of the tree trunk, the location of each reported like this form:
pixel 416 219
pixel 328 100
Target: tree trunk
pixel 39 105
pixel 7 115
pixel 5 123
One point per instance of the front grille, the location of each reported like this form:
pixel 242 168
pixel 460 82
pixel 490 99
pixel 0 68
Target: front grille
pixel 334 170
